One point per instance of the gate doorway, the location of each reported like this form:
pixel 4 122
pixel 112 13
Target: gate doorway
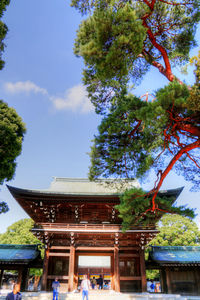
pixel 98 267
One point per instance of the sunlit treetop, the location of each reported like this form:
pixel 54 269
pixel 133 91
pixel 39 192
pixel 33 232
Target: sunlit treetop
pixel 120 40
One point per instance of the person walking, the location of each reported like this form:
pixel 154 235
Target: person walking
pixel 100 282
pixel 15 294
pixel 94 282
pixel 85 286
pixel 55 286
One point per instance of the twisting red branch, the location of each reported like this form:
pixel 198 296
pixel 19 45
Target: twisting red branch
pixel 182 151
pixel 166 71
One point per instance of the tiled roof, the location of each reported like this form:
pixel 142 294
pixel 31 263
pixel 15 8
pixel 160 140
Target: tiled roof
pixel 18 253
pixel 175 254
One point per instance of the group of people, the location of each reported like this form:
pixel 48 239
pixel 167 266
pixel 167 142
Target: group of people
pixel 86 285
pixel 97 282
pixel 153 287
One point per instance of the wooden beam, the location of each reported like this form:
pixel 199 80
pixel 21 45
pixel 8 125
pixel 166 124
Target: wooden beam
pixel 59 254
pixel 59 247
pixel 130 277
pixel 95 248
pixel 45 270
pixel 71 269
pixel 95 254
pixel 116 270
pixel 143 271
pixel 129 255
pixel 129 248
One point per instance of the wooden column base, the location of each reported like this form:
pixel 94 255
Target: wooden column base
pixel 116 270
pixel 71 269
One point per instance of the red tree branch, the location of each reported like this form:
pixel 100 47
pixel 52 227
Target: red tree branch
pixel 184 150
pixel 135 129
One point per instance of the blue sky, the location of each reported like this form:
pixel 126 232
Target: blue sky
pixel 42 81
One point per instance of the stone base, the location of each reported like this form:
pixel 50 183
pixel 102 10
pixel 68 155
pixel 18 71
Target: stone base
pixel 100 295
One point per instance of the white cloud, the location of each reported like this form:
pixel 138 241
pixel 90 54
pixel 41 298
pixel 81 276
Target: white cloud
pixel 74 99
pixel 24 86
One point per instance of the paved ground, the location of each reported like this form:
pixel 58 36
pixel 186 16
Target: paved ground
pixel 99 295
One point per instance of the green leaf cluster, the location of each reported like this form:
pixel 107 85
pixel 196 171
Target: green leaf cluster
pixel 117 150
pixel 3 30
pixel 194 97
pixel 12 131
pixel 19 233
pixel 134 205
pixel 116 46
pixel 120 149
pixel 110 40
pixel 176 230
pixel 3 207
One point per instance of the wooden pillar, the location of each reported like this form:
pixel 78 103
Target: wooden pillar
pixel 112 272
pixel 76 272
pixel 45 270
pixel 19 279
pixel 116 270
pixel 168 281
pixel 1 278
pixel 197 280
pixel 163 281
pixel 24 279
pixel 143 271
pixel 71 269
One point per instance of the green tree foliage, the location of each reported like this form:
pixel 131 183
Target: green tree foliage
pixel 177 230
pixel 194 98
pixel 3 30
pixel 134 134
pixel 19 234
pixel 12 131
pixel 134 208
pixel 119 41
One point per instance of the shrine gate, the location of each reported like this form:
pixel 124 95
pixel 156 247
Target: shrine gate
pixel 77 218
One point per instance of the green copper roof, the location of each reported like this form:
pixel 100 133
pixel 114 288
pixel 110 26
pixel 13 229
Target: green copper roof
pixel 178 254
pixel 18 253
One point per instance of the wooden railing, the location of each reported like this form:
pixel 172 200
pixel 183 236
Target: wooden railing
pixel 86 227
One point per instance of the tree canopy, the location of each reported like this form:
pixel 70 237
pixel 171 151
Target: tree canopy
pixel 134 208
pixel 174 230
pixel 119 42
pixel 3 30
pixel 19 233
pixel 12 131
pixel 121 39
pixel 177 230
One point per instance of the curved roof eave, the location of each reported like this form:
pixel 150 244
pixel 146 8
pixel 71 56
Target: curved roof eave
pixel 25 192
